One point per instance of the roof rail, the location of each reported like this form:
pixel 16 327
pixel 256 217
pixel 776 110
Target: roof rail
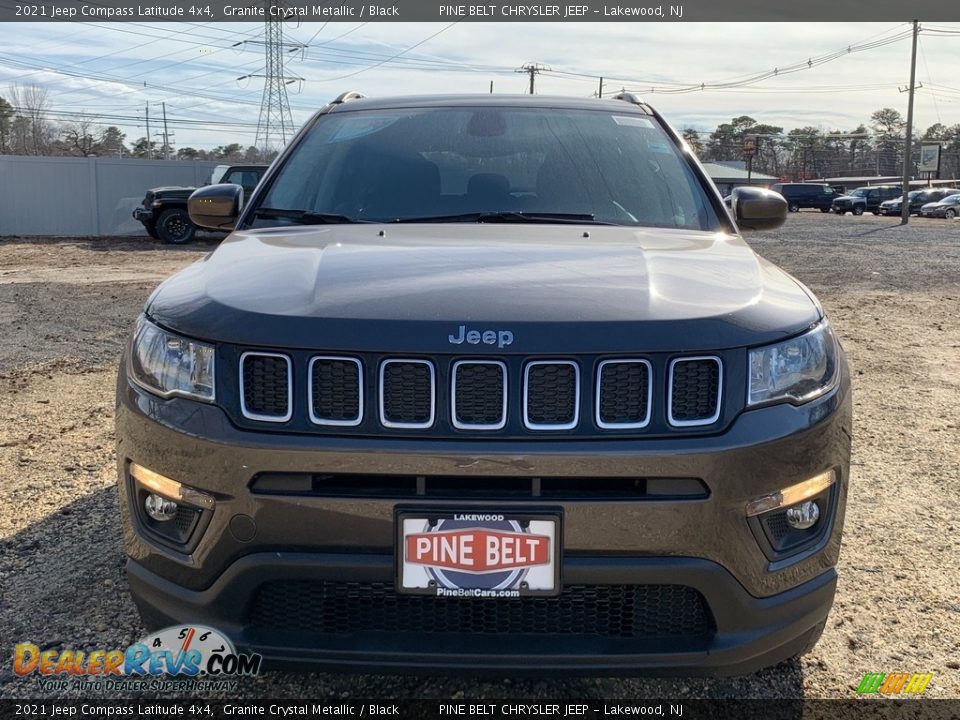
pixel 634 99
pixel 347 96
pixel 628 97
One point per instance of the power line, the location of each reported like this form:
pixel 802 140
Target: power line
pixel 392 57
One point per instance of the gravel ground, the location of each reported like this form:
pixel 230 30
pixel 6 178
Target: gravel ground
pixel 893 293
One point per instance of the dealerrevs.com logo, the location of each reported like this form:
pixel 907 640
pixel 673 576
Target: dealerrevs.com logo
pixel 182 650
pixel 894 683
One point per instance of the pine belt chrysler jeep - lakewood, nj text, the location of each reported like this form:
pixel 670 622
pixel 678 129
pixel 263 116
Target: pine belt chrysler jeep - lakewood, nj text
pixel 486 383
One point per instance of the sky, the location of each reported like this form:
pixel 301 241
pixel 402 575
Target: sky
pixel 110 71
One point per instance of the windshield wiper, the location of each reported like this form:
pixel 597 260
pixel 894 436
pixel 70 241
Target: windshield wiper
pixel 508 216
pixel 306 217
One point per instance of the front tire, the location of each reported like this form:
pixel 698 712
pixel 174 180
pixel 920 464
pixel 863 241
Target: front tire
pixel 858 211
pixel 950 213
pixel 793 207
pixel 174 227
pixel 824 210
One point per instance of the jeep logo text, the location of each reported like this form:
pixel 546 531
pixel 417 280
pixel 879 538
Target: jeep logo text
pixel 500 338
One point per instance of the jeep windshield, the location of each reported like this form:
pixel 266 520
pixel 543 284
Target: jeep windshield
pixel 487 164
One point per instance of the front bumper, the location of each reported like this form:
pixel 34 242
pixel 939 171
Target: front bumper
pixel 143 214
pixel 761 610
pixel 751 633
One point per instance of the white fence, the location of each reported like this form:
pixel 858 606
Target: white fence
pixel 84 196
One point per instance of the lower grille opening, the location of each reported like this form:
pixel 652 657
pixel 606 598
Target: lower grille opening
pixel 301 610
pixel 479 488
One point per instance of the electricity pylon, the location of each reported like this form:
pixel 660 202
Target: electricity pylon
pixel 275 125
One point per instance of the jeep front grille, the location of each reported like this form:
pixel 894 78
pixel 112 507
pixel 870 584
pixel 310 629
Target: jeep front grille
pixel 695 387
pixel 478 395
pixel 407 393
pixel 551 395
pixel 266 392
pixel 336 391
pixel 513 396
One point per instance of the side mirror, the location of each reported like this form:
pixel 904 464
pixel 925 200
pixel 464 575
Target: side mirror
pixel 757 208
pixel 216 206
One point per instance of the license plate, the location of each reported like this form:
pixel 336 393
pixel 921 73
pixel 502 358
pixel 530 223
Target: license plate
pixel 478 554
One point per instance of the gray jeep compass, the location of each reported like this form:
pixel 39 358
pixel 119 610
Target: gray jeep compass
pixel 486 383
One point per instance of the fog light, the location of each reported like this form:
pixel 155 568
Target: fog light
pixel 159 508
pixel 803 516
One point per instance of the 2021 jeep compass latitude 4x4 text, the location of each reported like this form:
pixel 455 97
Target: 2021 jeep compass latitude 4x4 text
pixel 486 383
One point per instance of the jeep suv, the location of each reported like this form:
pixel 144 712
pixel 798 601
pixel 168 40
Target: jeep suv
pixel 164 209
pixel 806 195
pixel 865 199
pixel 486 382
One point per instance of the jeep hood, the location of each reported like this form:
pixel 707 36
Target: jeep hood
pixel 556 288
pixel 172 190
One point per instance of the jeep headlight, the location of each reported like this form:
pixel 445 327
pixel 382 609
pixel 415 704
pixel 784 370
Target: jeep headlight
pixel 796 370
pixel 167 364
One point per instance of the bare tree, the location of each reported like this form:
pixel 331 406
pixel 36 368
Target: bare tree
pixel 6 126
pixel 81 136
pixel 34 133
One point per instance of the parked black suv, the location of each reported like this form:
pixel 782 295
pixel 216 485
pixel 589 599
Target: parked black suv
pixel 487 382
pixel 164 210
pixel 806 195
pixel 865 199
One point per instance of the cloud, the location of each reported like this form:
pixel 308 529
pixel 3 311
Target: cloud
pixel 112 69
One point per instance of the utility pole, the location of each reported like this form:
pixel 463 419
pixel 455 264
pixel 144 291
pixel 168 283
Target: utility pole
pixel 491 87
pixel 600 91
pixel 149 151
pixel 532 69
pixel 907 160
pixel 166 136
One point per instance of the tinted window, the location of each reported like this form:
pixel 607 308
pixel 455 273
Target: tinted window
pixel 245 178
pixel 410 163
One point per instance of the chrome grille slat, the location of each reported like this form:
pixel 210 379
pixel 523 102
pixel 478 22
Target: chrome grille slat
pixel 481 403
pixel 546 410
pixel 403 402
pixel 694 391
pixel 624 394
pixel 335 390
pixel 264 396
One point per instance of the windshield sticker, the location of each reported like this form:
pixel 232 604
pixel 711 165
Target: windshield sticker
pixel 631 121
pixel 358 126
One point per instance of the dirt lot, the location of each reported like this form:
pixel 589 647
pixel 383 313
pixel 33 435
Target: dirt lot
pixel 892 292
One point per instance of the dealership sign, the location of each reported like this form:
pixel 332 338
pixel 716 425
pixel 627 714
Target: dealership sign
pixel 929 158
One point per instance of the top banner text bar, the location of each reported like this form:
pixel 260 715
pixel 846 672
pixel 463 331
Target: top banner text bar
pixel 301 11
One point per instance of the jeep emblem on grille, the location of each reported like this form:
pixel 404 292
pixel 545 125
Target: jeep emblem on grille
pixel 500 338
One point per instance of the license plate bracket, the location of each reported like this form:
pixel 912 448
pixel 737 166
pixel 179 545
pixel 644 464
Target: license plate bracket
pixel 478 553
